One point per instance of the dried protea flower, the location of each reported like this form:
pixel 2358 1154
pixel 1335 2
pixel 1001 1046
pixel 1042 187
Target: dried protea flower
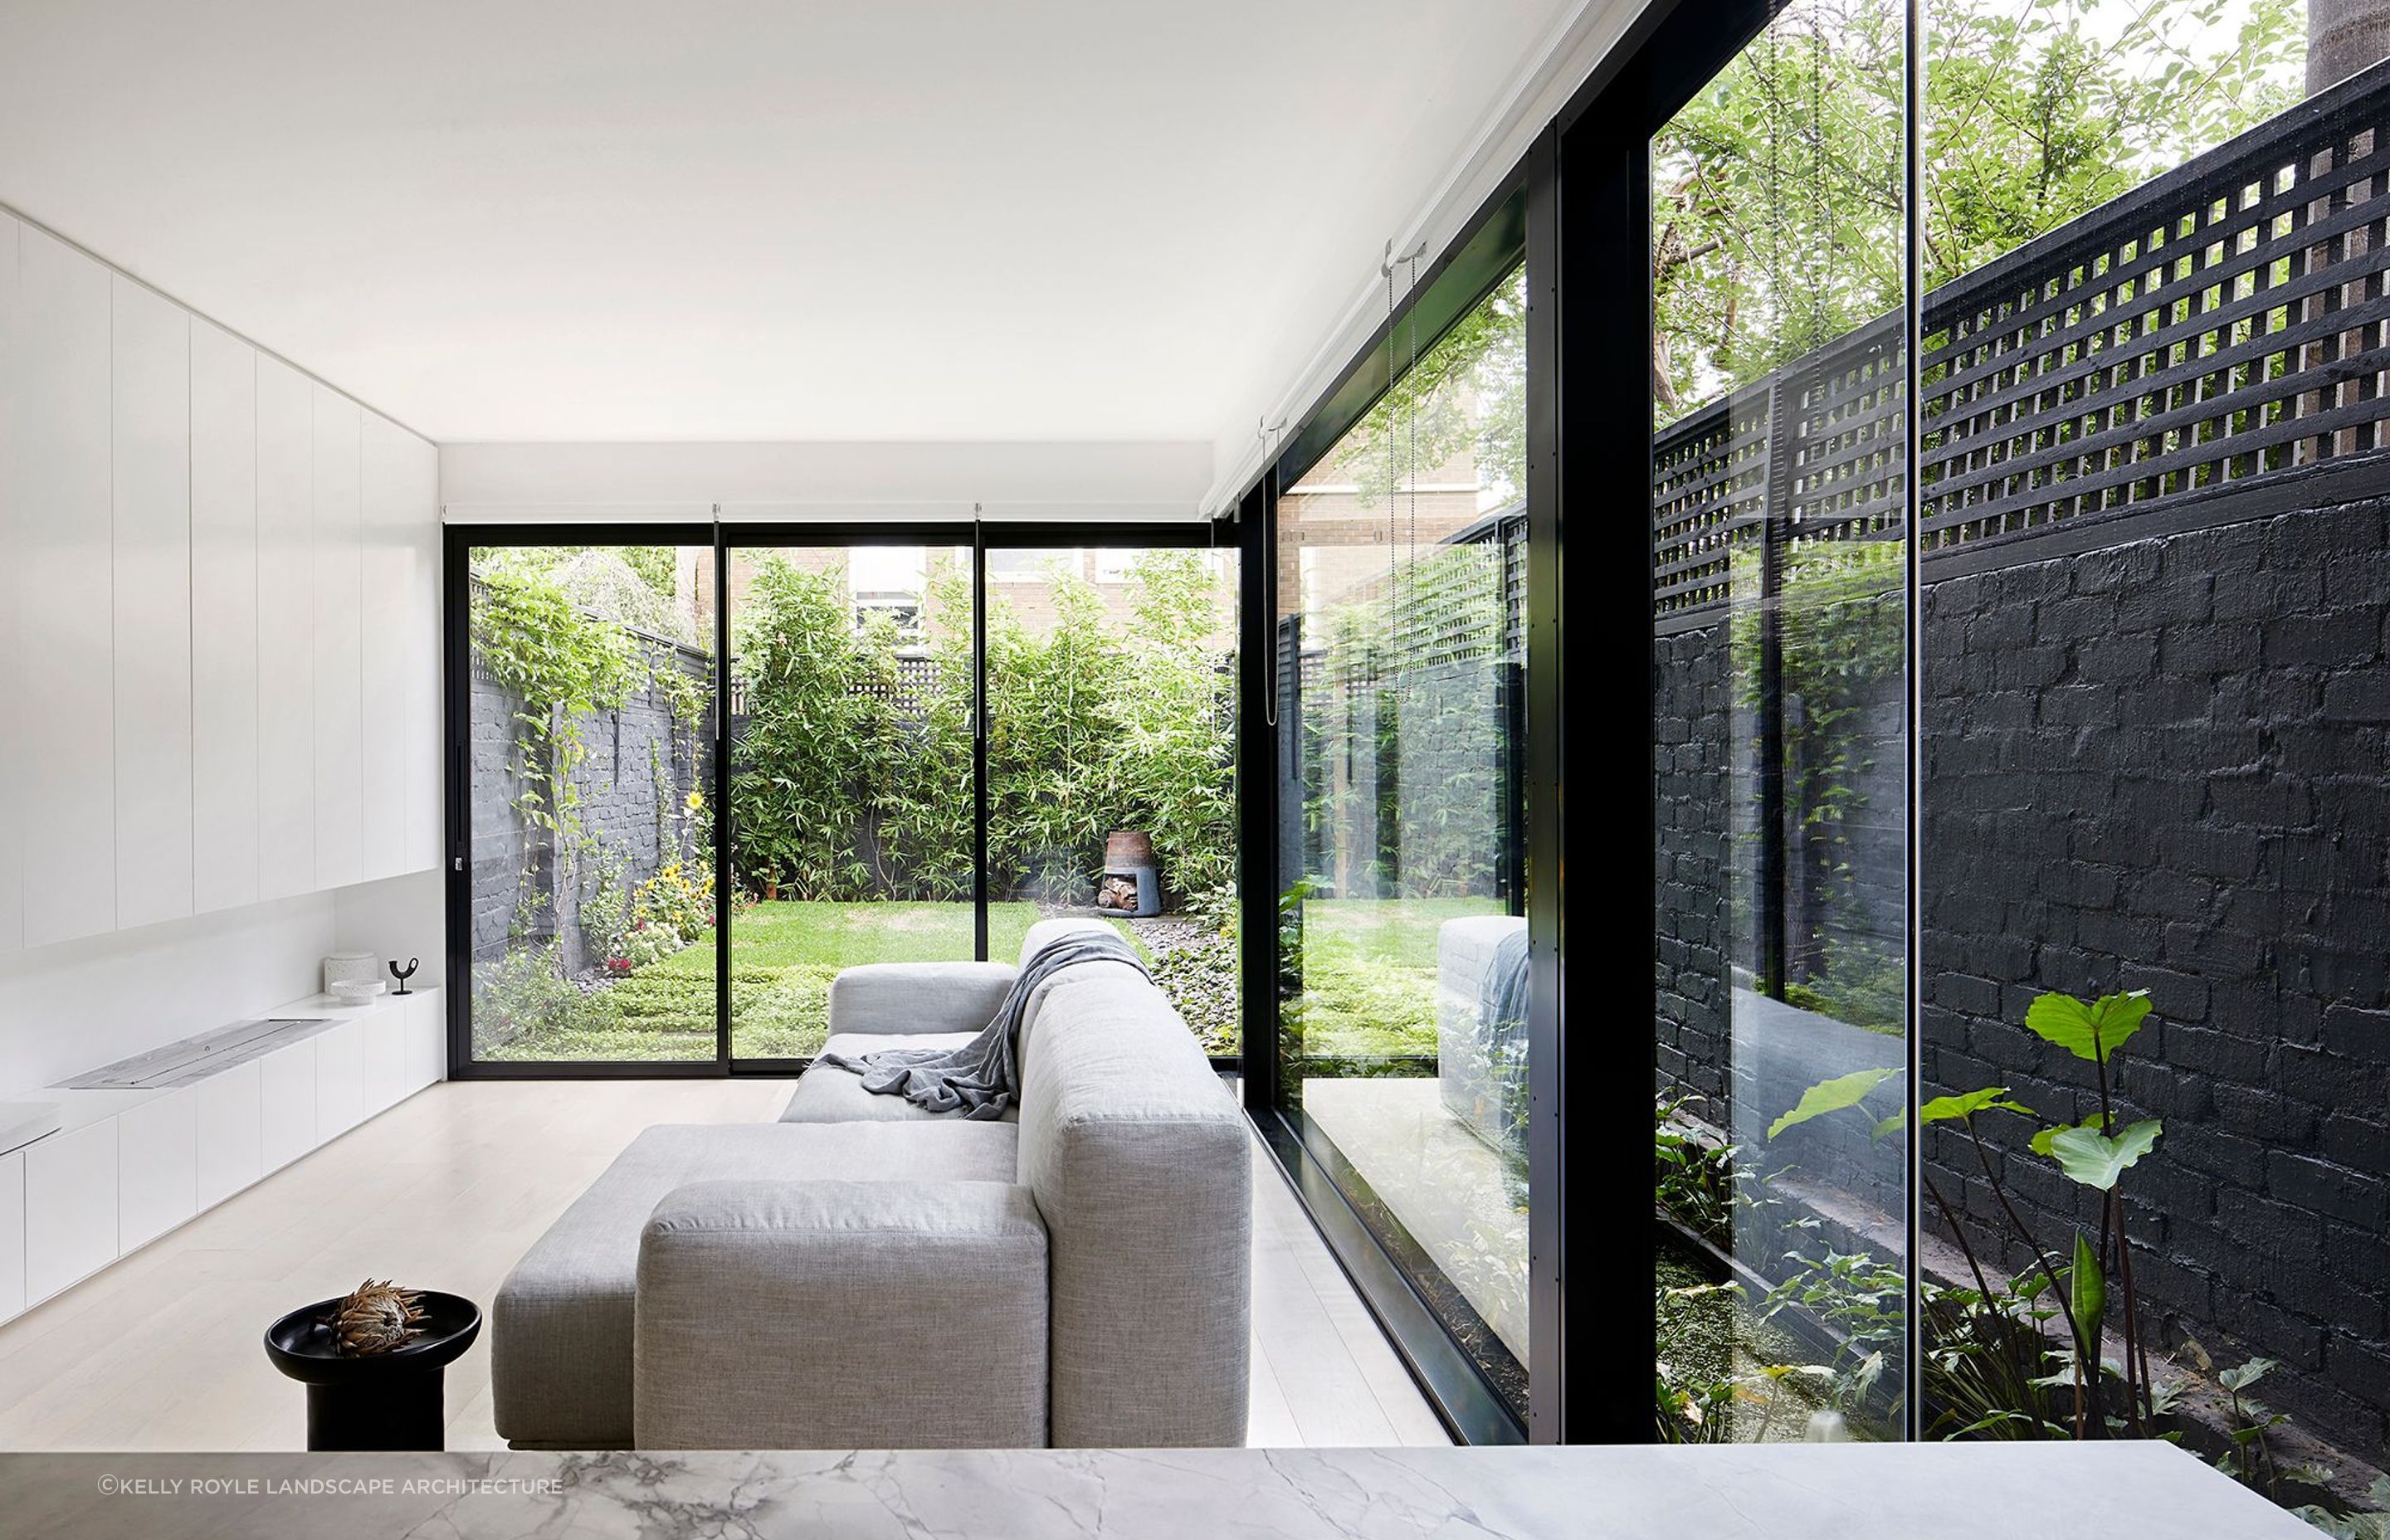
pixel 375 1318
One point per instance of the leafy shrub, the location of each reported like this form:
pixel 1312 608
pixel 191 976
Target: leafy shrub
pixel 673 900
pixel 524 995
pixel 1093 725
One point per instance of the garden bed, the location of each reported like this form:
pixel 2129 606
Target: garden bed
pixel 783 956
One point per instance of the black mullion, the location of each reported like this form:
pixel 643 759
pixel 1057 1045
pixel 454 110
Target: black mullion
pixel 1559 1380
pixel 725 910
pixel 1178 535
pixel 1257 884
pixel 979 743
pixel 455 669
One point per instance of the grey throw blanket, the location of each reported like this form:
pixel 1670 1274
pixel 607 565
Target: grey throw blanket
pixel 980 1078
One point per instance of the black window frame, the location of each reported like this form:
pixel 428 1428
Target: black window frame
pixel 460 540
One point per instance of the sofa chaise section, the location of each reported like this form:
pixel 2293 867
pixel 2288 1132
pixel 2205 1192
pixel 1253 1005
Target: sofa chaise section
pixel 833 1314
pixel 563 1326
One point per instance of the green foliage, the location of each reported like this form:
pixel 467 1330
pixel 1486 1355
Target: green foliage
pixel 1052 761
pixel 1405 742
pixel 522 996
pixel 1199 980
pixel 1093 725
pixel 2095 1153
pixel 1992 1367
pixel 1695 1181
pixel 2094 1032
pixel 1840 660
pixel 1175 743
pixel 1967 1104
pixel 2345 1524
pixel 1830 1095
pixel 1694 1387
pixel 1467 395
pixel 803 776
pixel 612 583
pixel 1777 191
pixel 2097 1161
pixel 562 666
pixel 2087 1289
pixel 605 912
pixel 1362 978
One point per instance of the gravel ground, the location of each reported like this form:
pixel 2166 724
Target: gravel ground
pixel 1195 966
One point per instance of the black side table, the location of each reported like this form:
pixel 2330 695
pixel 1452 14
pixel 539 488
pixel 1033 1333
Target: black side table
pixel 374 1401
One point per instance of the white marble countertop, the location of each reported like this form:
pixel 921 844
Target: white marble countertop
pixel 1782 1492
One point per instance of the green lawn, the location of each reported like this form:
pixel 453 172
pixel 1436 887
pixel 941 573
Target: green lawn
pixel 782 959
pixel 1368 973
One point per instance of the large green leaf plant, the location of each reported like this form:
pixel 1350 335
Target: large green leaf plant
pixel 2074 1291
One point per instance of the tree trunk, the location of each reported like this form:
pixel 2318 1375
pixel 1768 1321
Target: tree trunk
pixel 2345 37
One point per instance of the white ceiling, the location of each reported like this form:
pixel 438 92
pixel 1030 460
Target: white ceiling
pixel 777 220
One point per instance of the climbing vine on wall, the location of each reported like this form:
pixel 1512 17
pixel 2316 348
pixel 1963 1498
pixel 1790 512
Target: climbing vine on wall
pixel 561 666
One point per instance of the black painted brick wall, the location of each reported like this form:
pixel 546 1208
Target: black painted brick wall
pixel 1689 732
pixel 2166 765
pixel 2162 765
pixel 626 805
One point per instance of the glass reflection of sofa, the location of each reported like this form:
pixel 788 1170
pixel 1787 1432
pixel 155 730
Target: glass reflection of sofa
pixel 1481 1028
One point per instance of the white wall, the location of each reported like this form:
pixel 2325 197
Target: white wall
pixel 219 650
pixel 82 1003
pixel 530 482
pixel 398 917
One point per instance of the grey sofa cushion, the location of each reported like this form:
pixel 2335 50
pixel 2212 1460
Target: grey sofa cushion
pixel 1045 932
pixel 1042 935
pixel 917 997
pixel 560 1327
pixel 1138 1160
pixel 841 1315
pixel 827 1094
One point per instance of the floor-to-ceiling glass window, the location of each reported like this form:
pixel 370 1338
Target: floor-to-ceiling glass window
pixel 848 824
pixel 1780 490
pixel 851 783
pixel 1111 731
pixel 1402 1052
pixel 590 908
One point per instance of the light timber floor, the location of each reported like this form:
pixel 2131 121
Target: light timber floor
pixel 445 1190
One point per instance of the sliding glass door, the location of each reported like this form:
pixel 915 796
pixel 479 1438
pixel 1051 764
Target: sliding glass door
pixel 1779 490
pixel 585 718
pixel 1402 1054
pixel 851 820
pixel 666 860
pixel 1111 732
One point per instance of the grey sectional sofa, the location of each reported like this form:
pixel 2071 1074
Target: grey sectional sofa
pixel 864 1274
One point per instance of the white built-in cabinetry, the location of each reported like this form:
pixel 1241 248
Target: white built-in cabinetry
pixel 60 518
pixel 223 619
pixel 128 1166
pixel 150 551
pixel 219 615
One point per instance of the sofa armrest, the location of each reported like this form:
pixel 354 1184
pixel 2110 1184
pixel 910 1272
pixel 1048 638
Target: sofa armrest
pixel 910 997
pixel 778 1314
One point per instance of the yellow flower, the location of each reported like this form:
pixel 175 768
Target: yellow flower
pixel 696 801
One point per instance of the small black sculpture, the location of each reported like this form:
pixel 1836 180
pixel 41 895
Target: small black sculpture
pixel 402 974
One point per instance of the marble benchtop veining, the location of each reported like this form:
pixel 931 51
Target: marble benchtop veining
pixel 1783 1491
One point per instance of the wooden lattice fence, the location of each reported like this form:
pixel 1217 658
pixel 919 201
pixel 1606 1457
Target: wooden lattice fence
pixel 2223 326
